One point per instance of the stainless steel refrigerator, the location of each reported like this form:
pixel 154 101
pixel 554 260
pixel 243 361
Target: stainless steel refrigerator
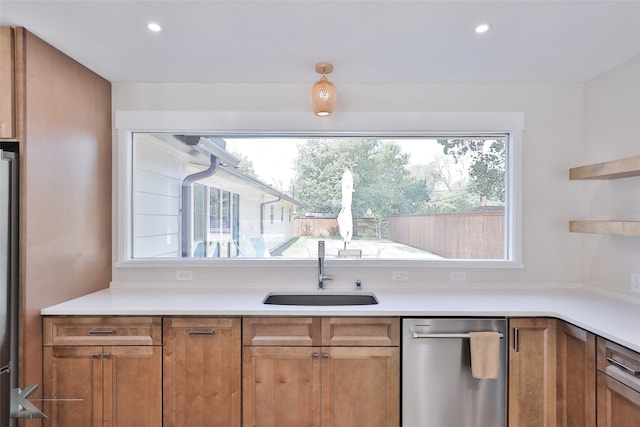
pixel 13 400
pixel 8 279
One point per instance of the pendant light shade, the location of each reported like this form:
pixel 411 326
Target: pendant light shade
pixel 323 92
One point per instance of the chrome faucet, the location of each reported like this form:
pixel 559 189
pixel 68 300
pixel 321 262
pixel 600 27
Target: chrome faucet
pixel 321 276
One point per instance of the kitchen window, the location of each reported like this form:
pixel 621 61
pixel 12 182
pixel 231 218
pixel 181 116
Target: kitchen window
pixel 432 198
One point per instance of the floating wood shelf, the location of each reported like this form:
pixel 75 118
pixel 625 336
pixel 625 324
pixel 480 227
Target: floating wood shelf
pixel 620 228
pixel 614 169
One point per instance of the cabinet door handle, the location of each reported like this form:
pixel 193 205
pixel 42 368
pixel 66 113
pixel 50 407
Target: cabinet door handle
pixel 325 356
pixel 106 356
pixel 95 356
pixel 516 340
pixel 102 332
pixel 315 356
pixel 200 332
pixel 623 366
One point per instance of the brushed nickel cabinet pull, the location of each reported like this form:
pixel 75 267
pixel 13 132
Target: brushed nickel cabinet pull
pixel 197 332
pixel 325 356
pixel 102 332
pixel 95 356
pixel 316 356
pixel 106 356
pixel 516 340
pixel 623 366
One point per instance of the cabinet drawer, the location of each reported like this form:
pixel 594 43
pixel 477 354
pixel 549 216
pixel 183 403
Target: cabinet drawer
pixel 102 331
pixel 279 331
pixel 361 331
pixel 619 362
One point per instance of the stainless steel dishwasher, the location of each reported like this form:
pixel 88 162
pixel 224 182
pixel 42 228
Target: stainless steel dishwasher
pixel 438 389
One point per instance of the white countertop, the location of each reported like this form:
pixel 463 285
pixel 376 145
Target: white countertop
pixel 608 315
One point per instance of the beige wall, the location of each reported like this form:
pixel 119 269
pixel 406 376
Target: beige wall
pixel 612 131
pixel 553 135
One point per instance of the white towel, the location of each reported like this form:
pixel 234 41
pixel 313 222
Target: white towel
pixel 485 354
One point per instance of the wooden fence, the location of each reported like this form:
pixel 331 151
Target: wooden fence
pixel 465 235
pixel 316 227
pixel 468 235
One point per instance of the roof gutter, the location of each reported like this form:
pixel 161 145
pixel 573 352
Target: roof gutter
pixel 262 205
pixel 186 199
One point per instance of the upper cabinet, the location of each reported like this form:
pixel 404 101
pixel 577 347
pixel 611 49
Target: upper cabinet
pixel 622 168
pixel 7 93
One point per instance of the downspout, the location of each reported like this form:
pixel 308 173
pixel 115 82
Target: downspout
pixel 262 205
pixel 186 198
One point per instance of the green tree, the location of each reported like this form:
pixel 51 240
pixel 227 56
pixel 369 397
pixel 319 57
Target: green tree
pixel 245 165
pixel 383 185
pixel 487 165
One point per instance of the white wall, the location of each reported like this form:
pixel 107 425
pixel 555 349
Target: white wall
pixel 156 200
pixel 612 131
pixel 552 137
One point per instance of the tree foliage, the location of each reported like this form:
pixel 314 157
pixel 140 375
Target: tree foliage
pixel 382 182
pixel 487 168
pixel 245 165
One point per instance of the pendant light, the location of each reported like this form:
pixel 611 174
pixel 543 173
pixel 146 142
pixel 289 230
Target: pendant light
pixel 323 92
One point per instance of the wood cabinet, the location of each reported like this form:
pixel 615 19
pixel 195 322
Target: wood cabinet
pixel 576 388
pixel 532 372
pixel 618 384
pixel 202 372
pixel 102 372
pixel 615 169
pixel 7 86
pixel 337 372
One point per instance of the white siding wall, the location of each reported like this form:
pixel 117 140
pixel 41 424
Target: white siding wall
pixel 156 201
pixel 280 231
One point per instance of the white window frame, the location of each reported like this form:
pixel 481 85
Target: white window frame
pixel 381 124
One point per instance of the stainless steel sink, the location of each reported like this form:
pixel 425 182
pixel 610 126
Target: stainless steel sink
pixel 321 298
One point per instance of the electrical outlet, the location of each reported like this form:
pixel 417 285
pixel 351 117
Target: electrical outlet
pixel 184 275
pixel 635 282
pixel 458 277
pixel 400 276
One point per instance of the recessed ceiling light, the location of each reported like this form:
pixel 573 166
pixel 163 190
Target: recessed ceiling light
pixel 483 28
pixel 152 26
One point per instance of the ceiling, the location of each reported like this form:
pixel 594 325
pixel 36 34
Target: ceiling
pixel 369 42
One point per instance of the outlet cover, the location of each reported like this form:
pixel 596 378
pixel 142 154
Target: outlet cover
pixel 458 277
pixel 635 282
pixel 184 275
pixel 400 276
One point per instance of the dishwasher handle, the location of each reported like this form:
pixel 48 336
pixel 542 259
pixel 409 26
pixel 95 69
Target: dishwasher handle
pixel 416 335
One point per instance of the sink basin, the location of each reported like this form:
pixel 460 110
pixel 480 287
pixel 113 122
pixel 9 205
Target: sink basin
pixel 321 299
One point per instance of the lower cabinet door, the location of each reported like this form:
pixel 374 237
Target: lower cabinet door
pixel 281 386
pixel 73 386
pixel 201 372
pixel 96 386
pixel 618 405
pixel 132 386
pixel 361 387
pixel 576 382
pixel 532 372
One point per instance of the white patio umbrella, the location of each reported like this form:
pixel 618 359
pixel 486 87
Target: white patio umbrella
pixel 345 218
